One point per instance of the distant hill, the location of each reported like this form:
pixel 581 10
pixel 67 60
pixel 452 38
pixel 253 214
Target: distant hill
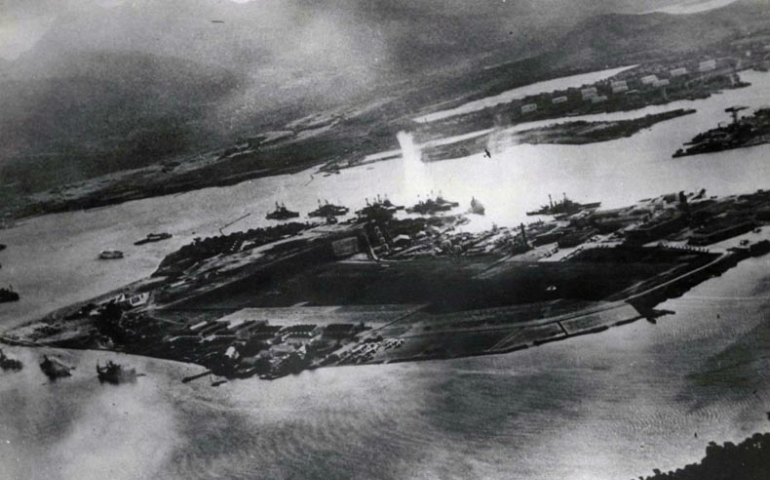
pixel 100 112
pixel 107 89
pixel 612 35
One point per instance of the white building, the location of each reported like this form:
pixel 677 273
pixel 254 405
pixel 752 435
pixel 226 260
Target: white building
pixel 620 89
pixel 588 92
pixel 678 72
pixel 528 108
pixel 198 326
pixel 649 80
pixel 558 100
pixel 232 353
pixel 138 300
pixel 707 66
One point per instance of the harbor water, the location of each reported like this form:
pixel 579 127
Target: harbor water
pixel 607 406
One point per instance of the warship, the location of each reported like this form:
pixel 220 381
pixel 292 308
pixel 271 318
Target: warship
pixel 432 206
pixel 326 210
pixel 379 209
pixel 110 255
pixel 114 373
pixel 8 295
pixel 281 213
pixel 54 368
pixel 742 132
pixel 9 363
pixel 564 207
pixel 153 237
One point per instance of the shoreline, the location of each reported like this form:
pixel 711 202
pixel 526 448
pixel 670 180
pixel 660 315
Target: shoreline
pixel 186 311
pixel 234 165
pixel 579 132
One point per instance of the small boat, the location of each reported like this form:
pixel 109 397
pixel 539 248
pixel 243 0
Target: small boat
pixel 8 295
pixel 54 368
pixel 477 207
pixel 281 213
pixel 153 237
pixel 9 363
pixel 111 255
pixel 114 373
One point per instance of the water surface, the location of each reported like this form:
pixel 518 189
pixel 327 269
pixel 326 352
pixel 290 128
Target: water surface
pixel 607 406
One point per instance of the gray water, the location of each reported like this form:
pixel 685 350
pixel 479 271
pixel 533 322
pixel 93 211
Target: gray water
pixel 607 406
pixel 52 260
pixel 519 93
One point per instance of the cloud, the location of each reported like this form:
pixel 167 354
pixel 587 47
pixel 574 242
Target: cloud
pixel 19 36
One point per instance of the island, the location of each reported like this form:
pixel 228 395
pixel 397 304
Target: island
pixel 386 286
pixel 578 132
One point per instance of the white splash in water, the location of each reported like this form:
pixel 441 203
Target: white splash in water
pixel 416 178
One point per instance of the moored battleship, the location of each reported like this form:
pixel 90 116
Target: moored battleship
pixel 115 373
pixel 8 295
pixel 9 363
pixel 111 255
pixel 153 237
pixel 281 213
pixel 54 368
pixel 379 209
pixel 432 206
pixel 564 207
pixel 742 132
pixel 326 210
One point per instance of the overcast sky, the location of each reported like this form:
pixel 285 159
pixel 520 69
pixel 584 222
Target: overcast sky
pixel 118 23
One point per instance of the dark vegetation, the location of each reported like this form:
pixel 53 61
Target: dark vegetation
pixel 570 133
pixel 203 248
pixel 749 460
pixel 582 132
pixel 102 113
pixel 454 284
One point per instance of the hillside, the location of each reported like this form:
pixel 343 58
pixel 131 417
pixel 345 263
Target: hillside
pixel 105 112
pixel 122 88
pixel 610 36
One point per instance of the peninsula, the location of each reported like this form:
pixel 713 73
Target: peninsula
pixel 388 286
